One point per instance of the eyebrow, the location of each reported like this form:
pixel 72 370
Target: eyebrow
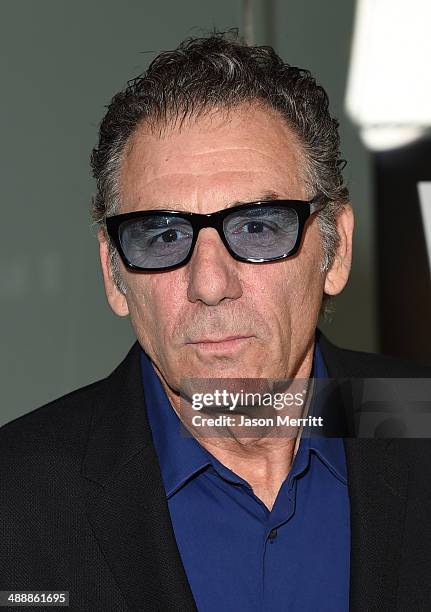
pixel 262 197
pixel 267 195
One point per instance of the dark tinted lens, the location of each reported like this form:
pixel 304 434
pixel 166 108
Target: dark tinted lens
pixel 156 241
pixel 262 232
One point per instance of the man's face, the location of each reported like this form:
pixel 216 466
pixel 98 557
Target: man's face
pixel 272 308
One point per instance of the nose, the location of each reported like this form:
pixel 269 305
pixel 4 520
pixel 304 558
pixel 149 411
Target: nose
pixel 212 271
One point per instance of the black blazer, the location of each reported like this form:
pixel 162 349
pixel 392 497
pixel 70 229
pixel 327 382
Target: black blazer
pixel 83 509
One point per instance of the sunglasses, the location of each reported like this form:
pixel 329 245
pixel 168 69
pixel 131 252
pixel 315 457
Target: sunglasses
pixel 256 232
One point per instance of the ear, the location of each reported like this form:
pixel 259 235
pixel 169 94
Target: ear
pixel 116 299
pixel 338 274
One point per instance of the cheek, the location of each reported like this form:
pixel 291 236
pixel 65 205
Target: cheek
pixel 277 295
pixel 153 303
pixel 295 286
pixel 305 280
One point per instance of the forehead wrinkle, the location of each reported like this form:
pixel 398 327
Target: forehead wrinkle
pixel 286 141
pixel 176 190
pixel 276 169
pixel 251 158
pixel 215 174
pixel 227 148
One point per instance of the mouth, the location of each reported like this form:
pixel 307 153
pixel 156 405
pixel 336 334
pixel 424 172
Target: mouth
pixel 220 344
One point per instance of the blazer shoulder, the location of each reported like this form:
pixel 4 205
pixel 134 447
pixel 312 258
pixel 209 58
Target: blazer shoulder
pixel 64 423
pixel 61 423
pixel 386 365
pixel 344 362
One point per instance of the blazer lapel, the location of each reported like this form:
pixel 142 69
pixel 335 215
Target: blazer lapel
pixel 126 503
pixel 377 481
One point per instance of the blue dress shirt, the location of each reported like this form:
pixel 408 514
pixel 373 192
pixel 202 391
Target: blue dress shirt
pixel 238 555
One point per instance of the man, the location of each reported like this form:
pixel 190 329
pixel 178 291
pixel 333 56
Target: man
pixel 224 227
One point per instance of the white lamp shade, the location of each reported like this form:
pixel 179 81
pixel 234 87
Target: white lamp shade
pixel 389 84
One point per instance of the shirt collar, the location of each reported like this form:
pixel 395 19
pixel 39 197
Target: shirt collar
pixel 330 450
pixel 181 456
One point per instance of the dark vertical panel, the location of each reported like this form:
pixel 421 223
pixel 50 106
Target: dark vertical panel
pixel 404 280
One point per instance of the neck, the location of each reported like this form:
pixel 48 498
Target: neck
pixel 264 462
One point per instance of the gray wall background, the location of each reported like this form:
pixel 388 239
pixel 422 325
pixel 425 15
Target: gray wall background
pixel 61 62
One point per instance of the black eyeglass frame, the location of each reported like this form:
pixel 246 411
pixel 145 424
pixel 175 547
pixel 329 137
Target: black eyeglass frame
pixel 200 221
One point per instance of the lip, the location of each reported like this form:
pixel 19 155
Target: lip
pixel 228 343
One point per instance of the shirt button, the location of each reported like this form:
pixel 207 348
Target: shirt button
pixel 272 535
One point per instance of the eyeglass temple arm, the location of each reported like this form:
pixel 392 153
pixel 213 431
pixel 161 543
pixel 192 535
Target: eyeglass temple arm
pixel 318 204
